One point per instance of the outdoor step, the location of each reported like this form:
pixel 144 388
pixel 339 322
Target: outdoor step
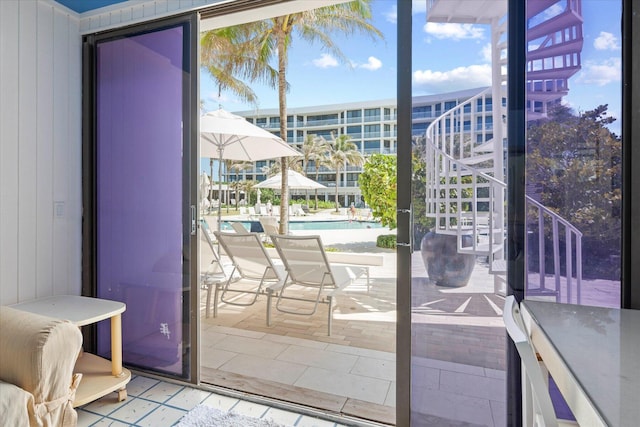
pixel 498 266
pixel 478 158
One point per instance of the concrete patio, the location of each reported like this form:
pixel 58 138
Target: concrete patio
pixel 458 347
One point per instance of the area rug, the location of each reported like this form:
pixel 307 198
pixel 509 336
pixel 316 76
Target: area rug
pixel 207 416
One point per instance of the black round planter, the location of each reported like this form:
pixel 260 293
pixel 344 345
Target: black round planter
pixel 445 266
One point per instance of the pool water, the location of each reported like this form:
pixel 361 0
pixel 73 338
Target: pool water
pixel 312 225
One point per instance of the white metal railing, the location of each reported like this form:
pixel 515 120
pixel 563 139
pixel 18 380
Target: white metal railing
pixel 573 238
pixel 464 202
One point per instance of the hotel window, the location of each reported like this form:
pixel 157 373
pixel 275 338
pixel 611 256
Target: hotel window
pixel 371 147
pixel 371 131
pixel 371 114
pixel 354 116
pixel 418 129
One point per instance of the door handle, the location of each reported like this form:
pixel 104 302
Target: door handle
pixel 193 220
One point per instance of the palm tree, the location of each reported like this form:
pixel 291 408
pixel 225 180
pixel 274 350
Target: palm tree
pixel 228 56
pixel 271 169
pixel 343 152
pixel 312 26
pixel 240 166
pixel 312 148
pixel 239 185
pixel 236 186
pixel 247 187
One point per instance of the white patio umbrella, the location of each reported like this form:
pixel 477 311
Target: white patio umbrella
pixel 227 136
pixel 295 180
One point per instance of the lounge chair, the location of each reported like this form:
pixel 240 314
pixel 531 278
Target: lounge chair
pixel 269 225
pixel 308 268
pixel 238 227
pixel 251 265
pixel 297 210
pixel 214 276
pixel 252 212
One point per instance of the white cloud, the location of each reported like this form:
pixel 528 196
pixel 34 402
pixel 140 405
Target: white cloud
pixel 453 31
pixel 325 61
pixel 606 41
pixel 392 14
pixel 372 64
pixel 418 6
pixel 485 52
pixel 457 79
pixel 600 73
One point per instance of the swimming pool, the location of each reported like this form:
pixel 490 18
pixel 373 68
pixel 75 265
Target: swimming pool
pixel 311 225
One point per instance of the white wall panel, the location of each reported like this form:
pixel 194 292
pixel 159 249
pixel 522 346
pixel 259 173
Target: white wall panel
pixel 60 147
pixel 27 152
pixel 74 153
pixel 44 160
pixel 40 150
pixel 9 73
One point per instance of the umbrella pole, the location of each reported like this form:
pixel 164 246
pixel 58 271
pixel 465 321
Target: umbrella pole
pixel 220 190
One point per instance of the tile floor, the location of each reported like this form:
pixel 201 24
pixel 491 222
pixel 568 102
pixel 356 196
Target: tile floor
pixel 155 403
pixel 352 372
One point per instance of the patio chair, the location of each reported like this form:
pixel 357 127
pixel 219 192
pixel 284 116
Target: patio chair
pixel 297 210
pixel 308 269
pixel 538 410
pixel 251 264
pixel 269 225
pixel 214 276
pixel 238 227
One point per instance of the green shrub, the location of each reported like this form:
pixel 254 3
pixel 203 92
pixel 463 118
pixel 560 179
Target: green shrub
pixel 387 241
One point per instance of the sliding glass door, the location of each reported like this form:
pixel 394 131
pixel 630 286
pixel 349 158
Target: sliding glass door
pixel 516 189
pixel 144 223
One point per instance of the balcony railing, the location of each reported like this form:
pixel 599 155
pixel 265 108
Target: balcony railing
pixel 326 122
pixel 548 222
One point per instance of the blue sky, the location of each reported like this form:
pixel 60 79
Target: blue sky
pixel 445 58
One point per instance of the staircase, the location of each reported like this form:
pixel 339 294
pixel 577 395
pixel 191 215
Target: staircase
pixel 465 183
pixel 555 45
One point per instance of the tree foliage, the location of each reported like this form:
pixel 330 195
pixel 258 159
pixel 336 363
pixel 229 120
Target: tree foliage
pixel 575 163
pixel 342 153
pixel 421 223
pixel 379 187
